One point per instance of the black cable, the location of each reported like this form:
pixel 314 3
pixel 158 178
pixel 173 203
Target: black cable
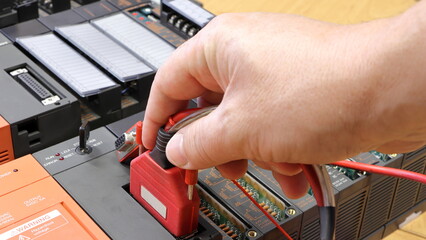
pixel 159 152
pixel 327 222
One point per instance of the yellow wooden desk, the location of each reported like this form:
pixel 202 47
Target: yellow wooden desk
pixel 336 11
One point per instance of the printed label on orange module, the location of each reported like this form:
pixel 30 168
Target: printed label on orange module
pixel 52 223
pixel 19 173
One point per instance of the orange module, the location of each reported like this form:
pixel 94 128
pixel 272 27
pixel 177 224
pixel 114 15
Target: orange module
pixel 33 205
pixel 6 148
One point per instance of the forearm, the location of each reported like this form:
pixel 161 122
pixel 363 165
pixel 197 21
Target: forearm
pixel 397 121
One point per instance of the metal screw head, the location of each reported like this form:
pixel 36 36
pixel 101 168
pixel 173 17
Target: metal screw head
pixel 252 233
pixel 291 211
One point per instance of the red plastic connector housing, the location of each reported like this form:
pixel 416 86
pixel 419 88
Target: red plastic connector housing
pixel 163 193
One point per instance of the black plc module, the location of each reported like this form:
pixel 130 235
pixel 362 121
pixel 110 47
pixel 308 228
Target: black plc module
pixel 35 111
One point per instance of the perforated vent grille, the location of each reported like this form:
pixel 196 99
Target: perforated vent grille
pixel 311 231
pixel 294 235
pixel 406 191
pixel 378 205
pixel 411 154
pixel 349 216
pixel 4 157
pixel 422 193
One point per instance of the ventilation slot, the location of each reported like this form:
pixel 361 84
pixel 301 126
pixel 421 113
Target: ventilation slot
pixel 311 231
pixel 29 131
pixel 349 216
pixel 378 205
pixel 4 157
pixel 294 235
pixel 406 191
pixel 28 127
pixel 422 192
pixel 412 154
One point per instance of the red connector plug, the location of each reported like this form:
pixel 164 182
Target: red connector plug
pixel 163 189
pixel 163 192
pixel 191 176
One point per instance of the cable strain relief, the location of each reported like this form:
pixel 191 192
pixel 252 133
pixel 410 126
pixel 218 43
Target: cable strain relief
pixel 158 154
pixel 163 138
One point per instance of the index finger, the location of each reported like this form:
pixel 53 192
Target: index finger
pixel 184 76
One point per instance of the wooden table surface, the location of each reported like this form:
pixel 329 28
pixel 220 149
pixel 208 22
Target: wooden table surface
pixel 336 11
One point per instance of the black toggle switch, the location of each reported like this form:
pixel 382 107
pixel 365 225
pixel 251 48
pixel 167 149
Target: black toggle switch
pixel 84 133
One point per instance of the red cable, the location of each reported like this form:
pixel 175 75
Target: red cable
pixel 139 132
pixel 139 137
pixel 179 116
pixel 312 178
pixel 191 176
pixel 400 173
pixel 263 210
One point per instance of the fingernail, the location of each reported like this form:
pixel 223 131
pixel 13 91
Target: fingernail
pixel 175 152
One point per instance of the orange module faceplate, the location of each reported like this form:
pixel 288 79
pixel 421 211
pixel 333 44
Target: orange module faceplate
pixel 6 148
pixel 34 206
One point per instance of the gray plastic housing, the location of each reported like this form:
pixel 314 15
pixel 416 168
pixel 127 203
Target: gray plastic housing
pixel 97 183
pixel 3 40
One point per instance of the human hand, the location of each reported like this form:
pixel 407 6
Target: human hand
pixel 289 90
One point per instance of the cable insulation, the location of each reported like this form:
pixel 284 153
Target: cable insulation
pixel 312 178
pixel 327 223
pixel 393 172
pixel 322 188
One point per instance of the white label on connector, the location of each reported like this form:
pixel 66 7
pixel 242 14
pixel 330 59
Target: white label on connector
pixel 18 71
pixel 50 100
pixel 154 202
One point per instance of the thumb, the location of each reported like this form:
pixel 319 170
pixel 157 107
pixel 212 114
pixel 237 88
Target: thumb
pixel 205 143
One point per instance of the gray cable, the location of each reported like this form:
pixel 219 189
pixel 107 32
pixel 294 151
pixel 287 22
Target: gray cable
pixel 191 118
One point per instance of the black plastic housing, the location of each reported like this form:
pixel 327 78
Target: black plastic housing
pixel 95 10
pixel 27 10
pixel 34 126
pixel 54 6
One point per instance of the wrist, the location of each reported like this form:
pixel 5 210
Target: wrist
pixel 397 78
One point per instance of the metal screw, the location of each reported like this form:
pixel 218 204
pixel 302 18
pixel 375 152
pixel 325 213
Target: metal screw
pixel 291 211
pixel 252 233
